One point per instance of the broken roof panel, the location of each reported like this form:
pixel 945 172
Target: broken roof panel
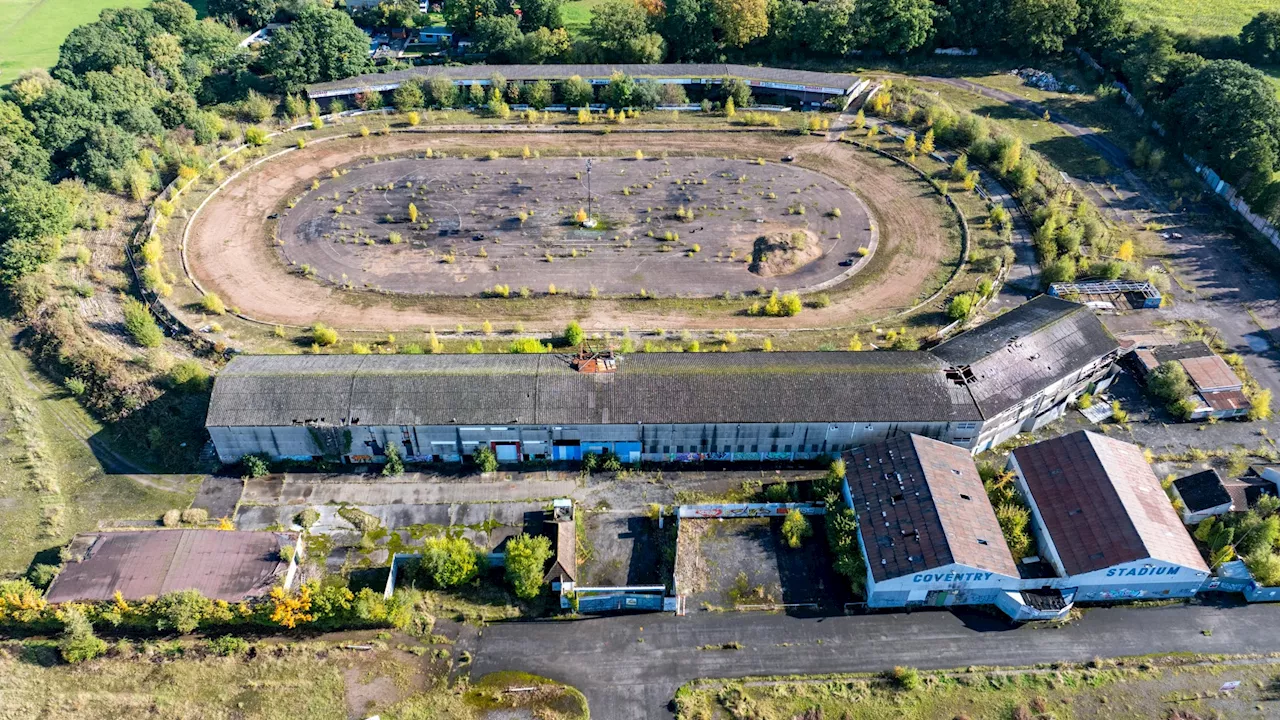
pixel 1102 505
pixel 1018 354
pixel 921 505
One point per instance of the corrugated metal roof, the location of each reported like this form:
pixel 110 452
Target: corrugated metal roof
pixel 1211 374
pixel 1025 350
pixel 601 71
pixel 920 506
pixel 1102 505
pixel 222 565
pixel 282 390
pixel 1227 400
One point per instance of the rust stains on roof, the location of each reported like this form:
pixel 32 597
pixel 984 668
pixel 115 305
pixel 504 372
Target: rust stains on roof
pixel 1211 373
pixel 921 505
pixel 222 565
pixel 1102 505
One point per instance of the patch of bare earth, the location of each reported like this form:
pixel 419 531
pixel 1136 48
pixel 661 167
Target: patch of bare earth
pixel 229 252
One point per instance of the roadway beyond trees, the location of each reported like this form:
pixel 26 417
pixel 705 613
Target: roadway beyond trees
pixel 630 667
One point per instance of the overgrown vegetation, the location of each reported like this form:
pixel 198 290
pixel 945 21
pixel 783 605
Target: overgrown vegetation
pixel 1011 510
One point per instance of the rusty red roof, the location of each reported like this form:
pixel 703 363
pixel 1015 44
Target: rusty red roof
pixel 1227 400
pixel 1210 373
pixel 1102 505
pixel 921 505
pixel 222 565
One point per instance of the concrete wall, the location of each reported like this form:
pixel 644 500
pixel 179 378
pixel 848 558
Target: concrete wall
pixel 1142 579
pixel 659 443
pixel 1045 406
pixel 953 584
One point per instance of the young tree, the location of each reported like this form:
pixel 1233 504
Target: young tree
pixel 795 528
pixel 395 463
pixel 961 306
pixel 526 560
pixel 576 92
pixel 139 323
pixel 573 334
pixel 449 561
pixel 1169 382
pixel 484 459
pixel 538 95
pixel 619 90
pixel 443 93
pixel 926 145
pixel 408 96
pixel 78 642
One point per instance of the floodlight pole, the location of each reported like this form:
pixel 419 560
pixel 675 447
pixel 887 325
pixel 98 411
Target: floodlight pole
pixel 589 208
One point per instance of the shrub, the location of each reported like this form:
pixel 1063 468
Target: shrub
pixel 1169 382
pixel 526 346
pixel 78 643
pixel 795 528
pixel 188 376
pixel 449 561
pixel 195 516
pixel 906 678
pixel 255 466
pixel 307 518
pixel 323 335
pixel 526 560
pixel 286 551
pixel 171 518
pixel 961 306
pixel 484 459
pixel 228 646
pixel 181 611
pixel 573 333
pixel 41 574
pixel 140 325
pixel 256 136
pixel 395 463
pixel 213 304
pixel 74 385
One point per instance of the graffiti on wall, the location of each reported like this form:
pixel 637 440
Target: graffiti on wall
pixel 749 510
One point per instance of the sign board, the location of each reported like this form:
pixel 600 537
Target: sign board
pixel 749 510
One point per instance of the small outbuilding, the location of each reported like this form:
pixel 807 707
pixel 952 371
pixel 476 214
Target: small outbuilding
pixel 1202 495
pixel 221 565
pixel 1103 521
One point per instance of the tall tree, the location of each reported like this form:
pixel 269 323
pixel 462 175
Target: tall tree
pixel 1229 99
pixel 1261 37
pixel 320 45
pixel 1042 26
pixel 498 35
pixel 689 28
pixel 251 13
pixel 536 14
pixel 620 31
pixel 896 26
pixel 741 21
pixel 828 27
pixel 20 151
pixel 461 15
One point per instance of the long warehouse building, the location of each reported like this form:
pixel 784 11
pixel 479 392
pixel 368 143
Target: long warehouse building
pixel 1010 375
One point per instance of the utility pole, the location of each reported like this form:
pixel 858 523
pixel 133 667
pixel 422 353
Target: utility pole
pixel 590 214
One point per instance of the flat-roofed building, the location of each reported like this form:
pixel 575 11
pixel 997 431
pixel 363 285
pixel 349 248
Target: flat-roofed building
pixel 1103 521
pixel 221 565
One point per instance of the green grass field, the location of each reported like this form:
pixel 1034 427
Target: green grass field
pixel 1207 17
pixel 52 486
pixel 32 30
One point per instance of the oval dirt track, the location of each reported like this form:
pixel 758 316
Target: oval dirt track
pixel 228 251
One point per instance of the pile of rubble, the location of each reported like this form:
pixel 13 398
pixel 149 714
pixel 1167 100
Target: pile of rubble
pixel 1043 80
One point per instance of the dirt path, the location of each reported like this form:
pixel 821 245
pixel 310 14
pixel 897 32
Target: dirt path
pixel 1220 289
pixel 228 253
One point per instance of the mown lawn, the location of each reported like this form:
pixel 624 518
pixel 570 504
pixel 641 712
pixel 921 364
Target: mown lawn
pixel 31 31
pixel 1207 17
